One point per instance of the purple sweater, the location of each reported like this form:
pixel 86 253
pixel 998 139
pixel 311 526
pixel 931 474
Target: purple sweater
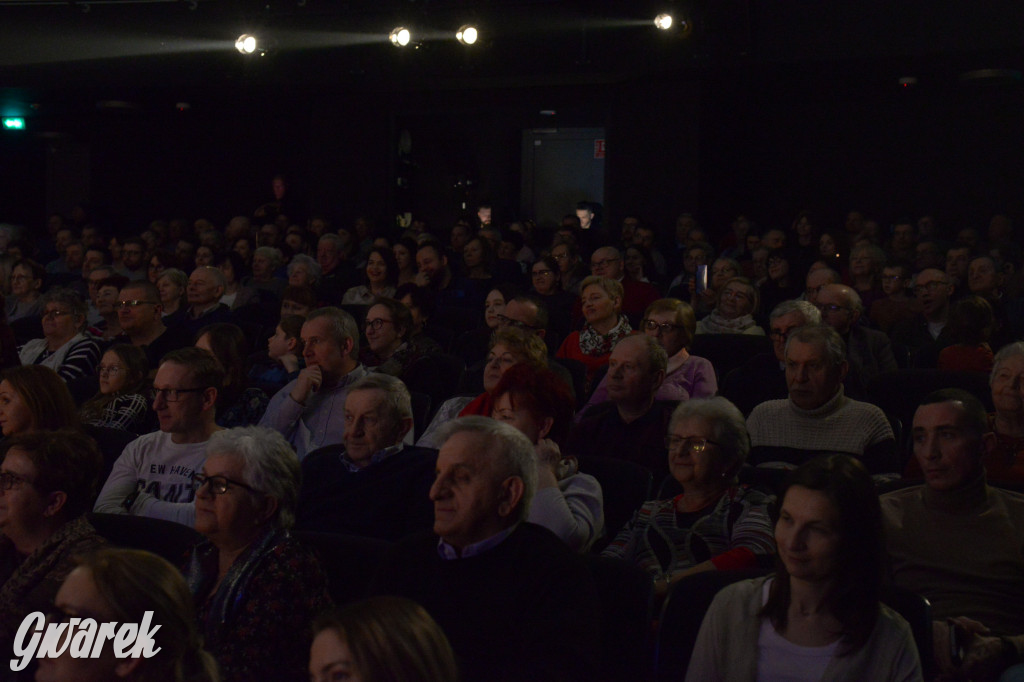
pixel 695 378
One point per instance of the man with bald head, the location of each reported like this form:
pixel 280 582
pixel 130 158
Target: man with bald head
pixel 867 350
pixel 636 296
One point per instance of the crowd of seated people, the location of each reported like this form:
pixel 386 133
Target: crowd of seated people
pixel 244 380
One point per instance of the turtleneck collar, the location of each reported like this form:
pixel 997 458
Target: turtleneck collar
pixel 830 406
pixel 963 500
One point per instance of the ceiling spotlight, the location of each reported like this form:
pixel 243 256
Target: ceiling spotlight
pixel 663 21
pixel 400 37
pixel 467 35
pixel 246 44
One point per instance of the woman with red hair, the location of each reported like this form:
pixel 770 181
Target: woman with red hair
pixel 537 402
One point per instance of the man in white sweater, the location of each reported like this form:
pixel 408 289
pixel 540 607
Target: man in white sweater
pixel 153 476
pixel 817 417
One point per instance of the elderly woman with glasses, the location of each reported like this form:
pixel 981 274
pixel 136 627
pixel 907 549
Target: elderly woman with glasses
pixel 48 480
pixel 672 324
pixel 256 589
pixel 714 523
pixel 65 347
pixel 734 314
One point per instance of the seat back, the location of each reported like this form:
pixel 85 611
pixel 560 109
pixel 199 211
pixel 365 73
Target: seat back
pixel 166 538
pixel 349 561
pixel 682 615
pixel 917 611
pixel 625 486
pixel 436 375
pixel 728 351
pixel 627 597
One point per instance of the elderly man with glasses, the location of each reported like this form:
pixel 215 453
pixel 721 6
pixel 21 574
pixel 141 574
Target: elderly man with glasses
pixel 867 350
pixel 153 476
pixel 636 296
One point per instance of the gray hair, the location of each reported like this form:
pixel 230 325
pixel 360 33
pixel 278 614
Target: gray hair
pixel 511 451
pixel 854 298
pixel 811 314
pixel 269 465
pixel 728 428
pixel 1010 350
pixel 334 239
pixel 218 276
pixel 174 274
pixel 312 267
pixel 397 401
pixel 341 326
pixel 831 343
pixel 657 356
pixel 272 254
pixel 69 298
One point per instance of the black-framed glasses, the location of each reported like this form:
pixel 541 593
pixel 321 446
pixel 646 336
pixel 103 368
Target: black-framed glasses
pixel 219 485
pixel 134 303
pixel 693 445
pixel 662 327
pixel 930 287
pixel 504 321
pixel 9 481
pixel 173 395
pixel 377 323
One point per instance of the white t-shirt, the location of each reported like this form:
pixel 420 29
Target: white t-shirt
pixel 161 470
pixel 779 660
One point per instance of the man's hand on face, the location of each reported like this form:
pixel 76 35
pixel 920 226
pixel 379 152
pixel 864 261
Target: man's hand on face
pixel 309 380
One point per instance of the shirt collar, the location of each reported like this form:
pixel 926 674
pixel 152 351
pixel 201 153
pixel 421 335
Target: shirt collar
pixel 377 458
pixel 448 552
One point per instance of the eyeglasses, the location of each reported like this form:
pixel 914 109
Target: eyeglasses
pixel 10 481
pixel 930 287
pixel 219 485
pixel 541 273
pixel 602 263
pixel 504 321
pixel 830 308
pixel 54 314
pixel 662 327
pixel 377 323
pixel 173 395
pixel 134 303
pixel 692 445
pixel 107 370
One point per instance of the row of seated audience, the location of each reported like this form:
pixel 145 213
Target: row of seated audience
pixel 515 504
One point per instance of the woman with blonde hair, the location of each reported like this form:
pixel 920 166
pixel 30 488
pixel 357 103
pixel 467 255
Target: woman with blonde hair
pixel 123 585
pixel 383 639
pixel 604 324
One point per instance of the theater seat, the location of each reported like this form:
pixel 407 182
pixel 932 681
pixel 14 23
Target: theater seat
pixel 625 486
pixel 348 560
pixel 165 538
pixel 627 596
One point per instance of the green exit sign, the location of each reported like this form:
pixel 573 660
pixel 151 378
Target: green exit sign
pixel 14 124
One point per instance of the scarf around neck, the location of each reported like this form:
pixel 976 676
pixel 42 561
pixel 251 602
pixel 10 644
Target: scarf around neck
pixel 593 342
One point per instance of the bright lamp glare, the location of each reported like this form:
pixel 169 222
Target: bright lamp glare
pixel 663 21
pixel 400 37
pixel 467 35
pixel 246 44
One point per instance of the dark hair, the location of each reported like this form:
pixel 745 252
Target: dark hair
pixel 488 256
pixel 136 366
pixel 400 315
pixel 853 597
pixel 38 271
pixel 66 460
pixel 392 639
pixel 541 319
pixel 292 327
pixel 422 298
pixel 410 246
pixel 971 320
pixel 541 392
pixel 231 349
pixel 431 244
pixel 302 295
pixel 206 370
pixel 238 264
pixel 551 265
pixel 389 262
pixel 974 415
pixel 117 281
pixel 45 395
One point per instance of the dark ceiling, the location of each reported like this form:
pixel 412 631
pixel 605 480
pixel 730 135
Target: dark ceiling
pixel 65 56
